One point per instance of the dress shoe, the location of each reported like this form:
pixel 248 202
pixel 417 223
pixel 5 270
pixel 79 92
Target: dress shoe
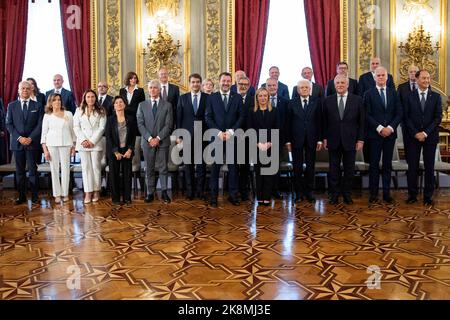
pixel 298 198
pixel 20 200
pixel 116 203
pixel 190 196
pixel 310 198
pixel 149 198
pixel 35 199
pixel 244 197
pixel 96 196
pixel 411 200
pixel 128 202
pixel 200 195
pixel 165 197
pixel 373 199
pixel 213 202
pixel 334 200
pixel 234 201
pixel 57 199
pixel 428 201
pixel 348 199
pixel 66 199
pixel 277 195
pixel 388 199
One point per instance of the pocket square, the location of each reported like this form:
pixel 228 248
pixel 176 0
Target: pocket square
pixel 34 111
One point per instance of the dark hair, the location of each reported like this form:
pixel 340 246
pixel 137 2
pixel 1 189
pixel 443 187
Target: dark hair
pixel 195 76
pixel 341 63
pixel 420 71
pixel 36 88
pixel 274 67
pixel 225 74
pixel 97 107
pixel 130 75
pixel 117 98
pixel 51 98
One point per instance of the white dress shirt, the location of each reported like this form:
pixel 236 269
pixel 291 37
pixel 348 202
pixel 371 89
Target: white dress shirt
pixel 130 95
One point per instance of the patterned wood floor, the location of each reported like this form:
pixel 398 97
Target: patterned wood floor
pixel 187 250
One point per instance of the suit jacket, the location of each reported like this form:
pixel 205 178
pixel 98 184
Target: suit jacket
pixel 378 114
pixel 353 87
pixel 427 121
pixel 30 127
pixel 136 99
pixel 259 120
pixel 112 135
pixel 282 111
pixel 68 100
pixel 317 91
pixel 248 106
pixel 250 91
pixel 404 90
pixel 283 90
pixel 172 96
pixel 367 82
pixel 158 126
pixel 107 103
pixel 89 128
pixel 186 115
pixel 304 126
pixel 218 118
pixel 347 131
pixel 57 132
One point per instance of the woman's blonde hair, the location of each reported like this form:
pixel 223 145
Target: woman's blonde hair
pixel 51 98
pixel 269 106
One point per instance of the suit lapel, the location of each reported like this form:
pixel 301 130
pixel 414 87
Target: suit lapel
pixel 348 105
pixel 429 101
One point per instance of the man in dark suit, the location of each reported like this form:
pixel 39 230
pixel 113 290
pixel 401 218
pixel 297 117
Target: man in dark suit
pixel 366 80
pixel 384 114
pixel 342 69
pixel 224 112
pixel 283 90
pixel 248 103
pixel 423 114
pixel 24 123
pixel 169 92
pixel 238 75
pixel 68 100
pixel 304 122
pixel 104 98
pixel 154 120
pixel 2 134
pixel 404 90
pixel 281 106
pixel 191 108
pixel 317 90
pixel 343 123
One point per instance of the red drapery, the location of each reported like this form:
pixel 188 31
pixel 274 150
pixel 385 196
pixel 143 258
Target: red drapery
pixel 323 25
pixel 13 37
pixel 251 25
pixel 76 35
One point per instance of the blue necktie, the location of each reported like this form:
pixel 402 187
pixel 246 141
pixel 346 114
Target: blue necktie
pixel 195 104
pixel 25 110
pixel 383 97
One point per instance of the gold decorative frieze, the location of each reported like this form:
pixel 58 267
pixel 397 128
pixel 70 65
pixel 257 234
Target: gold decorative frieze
pixel 113 46
pixel 94 41
pixel 344 29
pixel 213 40
pixel 366 26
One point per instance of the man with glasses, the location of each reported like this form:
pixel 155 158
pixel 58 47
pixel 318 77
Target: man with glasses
pixel 342 69
pixel 238 76
pixel 104 98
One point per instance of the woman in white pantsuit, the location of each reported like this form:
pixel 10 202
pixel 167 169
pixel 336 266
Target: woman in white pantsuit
pixel 89 125
pixel 58 143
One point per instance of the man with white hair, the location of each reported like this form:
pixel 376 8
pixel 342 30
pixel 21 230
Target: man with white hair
pixel 238 75
pixel 24 123
pixel 343 135
pixel 154 119
pixel 384 114
pixel 304 135
pixel 366 80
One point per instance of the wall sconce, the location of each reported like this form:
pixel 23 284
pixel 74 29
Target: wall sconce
pixel 161 49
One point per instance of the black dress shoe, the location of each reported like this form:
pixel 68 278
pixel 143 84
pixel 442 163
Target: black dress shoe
pixel 298 198
pixel 128 202
pixel 310 198
pixel 190 196
pixel 277 195
pixel 149 198
pixel 213 202
pixel 35 199
pixel 116 203
pixel 428 201
pixel 234 201
pixel 200 195
pixel 373 199
pixel 165 197
pixel 388 199
pixel 348 199
pixel 334 200
pixel 244 197
pixel 20 200
pixel 411 200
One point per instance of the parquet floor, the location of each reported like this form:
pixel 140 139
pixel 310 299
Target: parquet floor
pixel 186 250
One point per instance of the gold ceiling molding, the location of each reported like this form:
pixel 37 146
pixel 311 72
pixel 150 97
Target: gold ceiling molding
pixel 344 29
pixel 113 46
pixel 170 6
pixel 94 41
pixel 213 40
pixel 231 35
pixel 366 27
pixel 435 11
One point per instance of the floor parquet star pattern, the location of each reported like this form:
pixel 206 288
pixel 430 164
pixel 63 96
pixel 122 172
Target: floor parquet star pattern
pixel 187 250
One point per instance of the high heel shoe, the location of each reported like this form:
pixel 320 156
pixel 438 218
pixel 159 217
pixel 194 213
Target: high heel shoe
pixel 57 199
pixel 96 196
pixel 87 199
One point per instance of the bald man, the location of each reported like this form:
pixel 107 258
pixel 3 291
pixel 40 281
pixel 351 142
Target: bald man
pixel 367 82
pixel 104 98
pixel 68 100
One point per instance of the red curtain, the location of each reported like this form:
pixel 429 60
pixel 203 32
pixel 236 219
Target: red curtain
pixel 13 37
pixel 76 35
pixel 323 25
pixel 251 25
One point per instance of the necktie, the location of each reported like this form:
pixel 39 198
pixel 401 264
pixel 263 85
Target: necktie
pixel 423 101
pixel 225 102
pixel 305 104
pixel 154 108
pixel 383 97
pixel 25 110
pixel 341 107
pixel 101 100
pixel 57 91
pixel 195 104
pixel 272 101
pixel 164 95
pixel 413 86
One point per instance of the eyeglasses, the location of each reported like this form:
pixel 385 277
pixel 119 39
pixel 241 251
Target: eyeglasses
pixel 102 86
pixel 244 84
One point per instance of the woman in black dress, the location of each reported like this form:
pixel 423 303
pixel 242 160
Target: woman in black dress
pixel 263 116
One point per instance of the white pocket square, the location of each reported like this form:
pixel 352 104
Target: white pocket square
pixel 33 111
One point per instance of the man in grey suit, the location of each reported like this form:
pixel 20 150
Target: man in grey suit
pixel 155 119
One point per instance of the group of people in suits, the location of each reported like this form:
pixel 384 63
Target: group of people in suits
pixel 344 118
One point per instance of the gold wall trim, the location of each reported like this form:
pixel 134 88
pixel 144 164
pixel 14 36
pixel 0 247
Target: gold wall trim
pixel 231 35
pixel 94 41
pixel 139 38
pixel 366 47
pixel 113 46
pixel 213 59
pixel 344 29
